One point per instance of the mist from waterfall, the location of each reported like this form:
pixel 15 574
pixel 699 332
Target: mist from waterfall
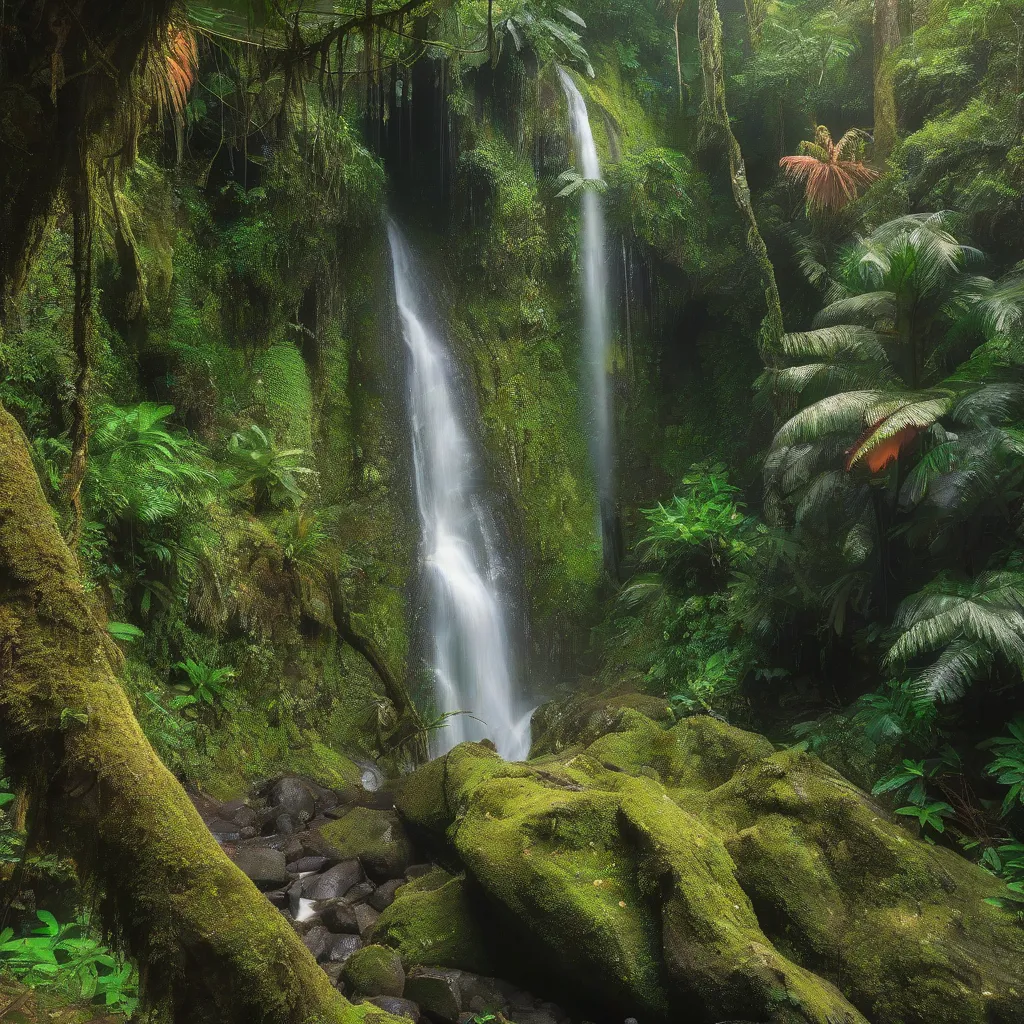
pixel 596 323
pixel 470 650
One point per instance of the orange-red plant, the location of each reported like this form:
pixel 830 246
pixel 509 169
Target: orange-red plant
pixel 832 177
pixel 880 455
pixel 179 62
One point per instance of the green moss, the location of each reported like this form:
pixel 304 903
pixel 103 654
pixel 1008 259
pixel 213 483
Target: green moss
pixel 553 861
pixel 839 884
pixel 756 884
pixel 377 838
pixel 435 922
pixel 375 971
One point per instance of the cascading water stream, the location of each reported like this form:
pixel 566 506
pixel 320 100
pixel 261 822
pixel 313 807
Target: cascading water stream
pixel 596 325
pixel 471 656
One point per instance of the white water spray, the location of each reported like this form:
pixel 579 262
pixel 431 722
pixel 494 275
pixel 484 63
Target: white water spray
pixel 596 328
pixel 471 659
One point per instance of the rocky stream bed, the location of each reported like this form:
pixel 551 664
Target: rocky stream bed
pixel 637 869
pixel 334 862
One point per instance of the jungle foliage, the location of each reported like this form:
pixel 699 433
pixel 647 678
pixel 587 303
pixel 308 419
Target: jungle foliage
pixel 814 215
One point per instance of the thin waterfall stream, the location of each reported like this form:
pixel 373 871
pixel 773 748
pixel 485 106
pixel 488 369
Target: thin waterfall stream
pixel 471 656
pixel 596 322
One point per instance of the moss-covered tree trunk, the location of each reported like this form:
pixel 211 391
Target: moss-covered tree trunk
pixel 887 35
pixel 716 114
pixel 211 947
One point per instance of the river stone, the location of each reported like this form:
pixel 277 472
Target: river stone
pixel 333 883
pixel 418 870
pixel 360 893
pixel 265 867
pixel 384 895
pixel 279 898
pixel 245 817
pixel 292 848
pixel 293 797
pixel 223 830
pixel 333 972
pixel 342 947
pixel 294 892
pixel 304 864
pixel 375 971
pixel 319 941
pixel 482 995
pixel 395 1006
pixel 436 990
pixel 284 824
pixel 366 918
pixel 339 916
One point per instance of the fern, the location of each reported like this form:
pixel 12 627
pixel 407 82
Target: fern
pixel 968 624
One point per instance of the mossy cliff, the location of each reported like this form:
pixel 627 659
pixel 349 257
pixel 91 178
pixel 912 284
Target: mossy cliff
pixel 694 869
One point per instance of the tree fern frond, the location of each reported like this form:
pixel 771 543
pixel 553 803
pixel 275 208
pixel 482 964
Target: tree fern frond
pixel 836 413
pixel 792 381
pixel 821 493
pixel 900 418
pixel 867 307
pixel 848 341
pixel 992 403
pixel 952 673
pixel 969 623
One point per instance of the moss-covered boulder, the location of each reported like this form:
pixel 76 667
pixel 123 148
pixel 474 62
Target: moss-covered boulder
pixel 660 872
pixel 374 971
pixel 376 837
pixel 434 921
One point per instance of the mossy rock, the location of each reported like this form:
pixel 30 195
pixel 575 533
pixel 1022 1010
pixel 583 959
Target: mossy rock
pixel 376 837
pixel 375 971
pixel 662 872
pixel 434 922
pixel 580 720
pixel 903 925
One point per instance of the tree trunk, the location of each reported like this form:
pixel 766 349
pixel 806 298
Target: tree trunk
pixel 211 948
pixel 679 60
pixel 412 729
pixel 709 35
pixel 887 36
pixel 82 219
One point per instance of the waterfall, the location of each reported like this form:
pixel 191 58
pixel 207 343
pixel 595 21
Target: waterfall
pixel 471 656
pixel 596 326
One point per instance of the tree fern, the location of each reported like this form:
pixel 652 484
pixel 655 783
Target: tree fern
pixel 967 624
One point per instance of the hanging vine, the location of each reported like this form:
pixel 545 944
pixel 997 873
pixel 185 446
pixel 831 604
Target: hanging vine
pixel 715 115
